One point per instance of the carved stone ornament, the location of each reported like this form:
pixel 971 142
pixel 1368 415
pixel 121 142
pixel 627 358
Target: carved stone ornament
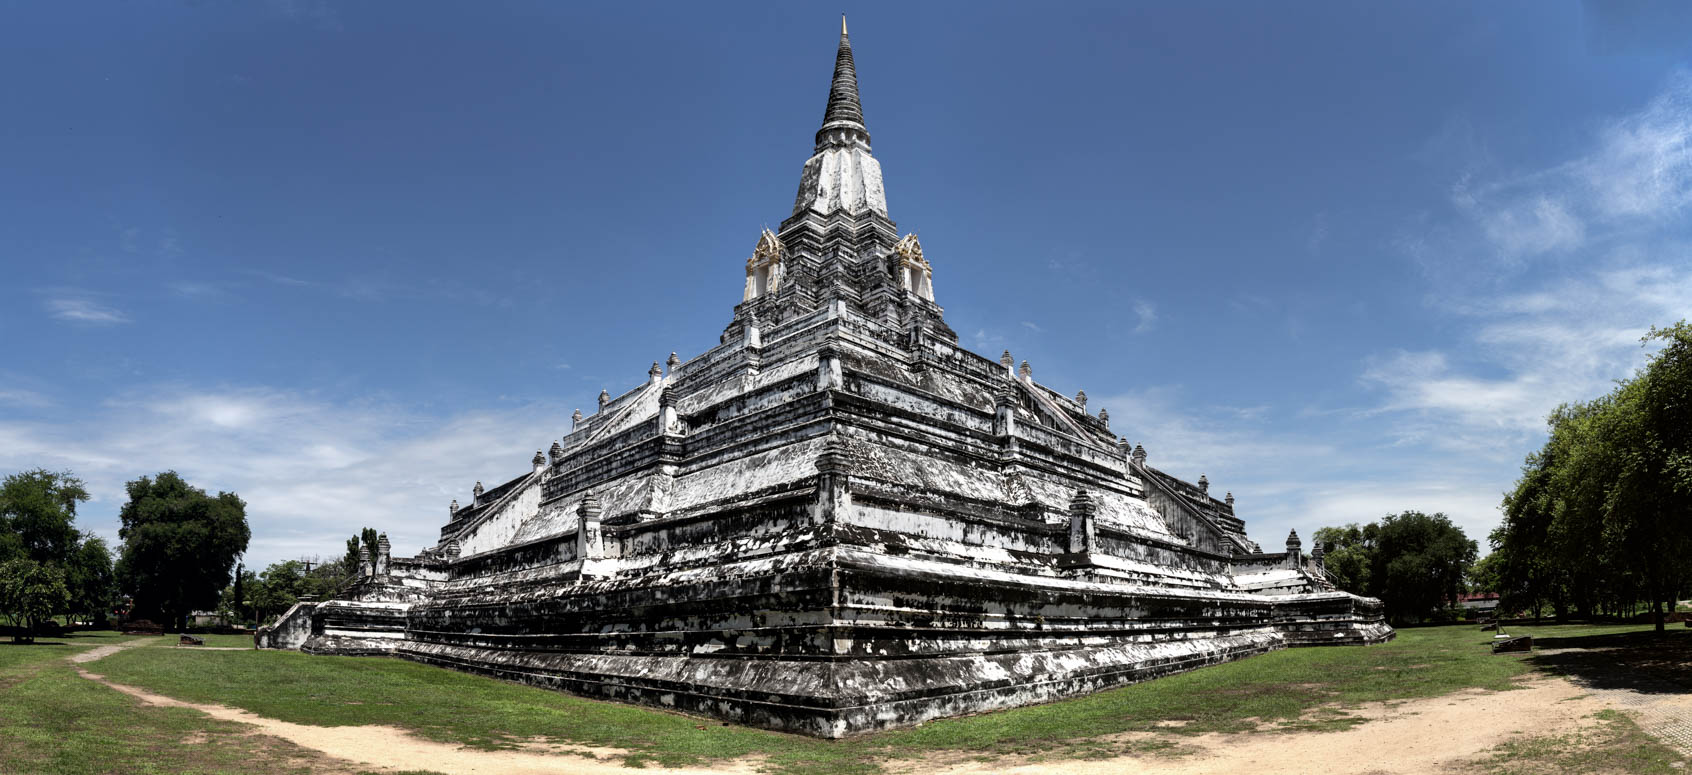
pixel 915 275
pixel 909 249
pixel 764 268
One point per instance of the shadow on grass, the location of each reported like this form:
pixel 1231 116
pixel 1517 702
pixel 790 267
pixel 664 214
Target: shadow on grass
pixel 1642 661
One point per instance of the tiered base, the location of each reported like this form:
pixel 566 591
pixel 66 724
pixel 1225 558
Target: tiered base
pixel 836 642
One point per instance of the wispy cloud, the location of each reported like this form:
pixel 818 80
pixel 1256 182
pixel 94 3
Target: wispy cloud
pixel 1602 231
pixel 1032 327
pixel 1636 174
pixel 82 310
pixel 279 279
pixel 1523 353
pixel 311 470
pixel 195 289
pixel 1147 313
pixel 28 399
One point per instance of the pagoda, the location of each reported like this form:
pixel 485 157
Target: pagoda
pixel 837 520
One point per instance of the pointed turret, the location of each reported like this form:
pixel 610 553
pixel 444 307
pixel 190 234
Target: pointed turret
pixel 844 112
pixel 841 175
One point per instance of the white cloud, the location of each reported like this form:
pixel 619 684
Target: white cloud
pixel 1147 313
pixel 1314 471
pixel 196 290
pixel 1032 327
pixel 1643 167
pixel 1637 173
pixel 312 471
pixel 82 310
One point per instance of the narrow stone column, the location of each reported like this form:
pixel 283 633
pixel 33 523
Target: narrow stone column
pixel 667 424
pixel 1083 524
pixel 834 485
pixel 753 344
pixel 590 544
pixel 829 373
pixel 1004 421
pixel 1295 552
pixel 382 549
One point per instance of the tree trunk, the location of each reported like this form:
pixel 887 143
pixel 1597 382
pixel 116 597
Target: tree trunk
pixel 1657 612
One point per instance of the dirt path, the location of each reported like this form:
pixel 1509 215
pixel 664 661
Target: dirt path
pixel 1405 738
pixel 101 652
pixel 391 748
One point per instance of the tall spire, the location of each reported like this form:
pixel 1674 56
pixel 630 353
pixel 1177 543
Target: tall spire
pixel 844 111
pixel 842 175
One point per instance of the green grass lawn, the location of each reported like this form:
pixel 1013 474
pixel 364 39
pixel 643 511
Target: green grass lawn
pixel 55 722
pixel 1294 689
pixel 241 641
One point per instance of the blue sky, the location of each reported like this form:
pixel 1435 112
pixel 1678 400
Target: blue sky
pixel 346 260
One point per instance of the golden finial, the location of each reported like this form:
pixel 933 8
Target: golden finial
pixel 842 25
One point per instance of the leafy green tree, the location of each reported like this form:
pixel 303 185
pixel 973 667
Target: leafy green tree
pixel 239 593
pixel 30 592
pixel 1419 564
pixel 38 515
pixel 91 579
pixel 1414 562
pixel 179 545
pixel 350 562
pixel 237 599
pixel 1601 519
pixel 279 588
pixel 1347 552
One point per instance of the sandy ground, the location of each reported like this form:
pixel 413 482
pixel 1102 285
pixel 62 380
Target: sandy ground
pixel 1416 736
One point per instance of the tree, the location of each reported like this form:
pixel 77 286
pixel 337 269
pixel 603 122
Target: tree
pixel 278 588
pixel 1602 516
pixel 30 592
pixel 1419 563
pixel 38 514
pixel 1414 562
pixel 239 594
pixel 1346 555
pixel 350 562
pixel 179 545
pixel 90 579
